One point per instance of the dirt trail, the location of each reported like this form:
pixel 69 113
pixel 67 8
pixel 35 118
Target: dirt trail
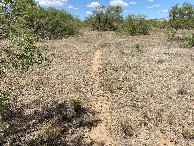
pixel 100 134
pixel 96 64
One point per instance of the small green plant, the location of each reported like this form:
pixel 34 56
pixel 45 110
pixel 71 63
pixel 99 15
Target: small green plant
pixel 158 117
pixel 188 41
pixel 160 61
pixel 51 131
pixel 170 33
pixel 108 84
pixel 182 91
pixel 2 72
pixel 132 54
pixel 166 53
pixel 3 98
pixel 127 129
pixel 137 46
pixel 188 133
pixel 145 115
pixel 119 43
pixel 131 87
pixel 76 104
pixel 152 92
pixel 121 50
pixel 171 118
pixel 77 87
pixel 102 35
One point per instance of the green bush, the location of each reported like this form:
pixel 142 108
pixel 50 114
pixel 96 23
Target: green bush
pixel 154 23
pixel 105 18
pixel 15 18
pixel 26 55
pixel 55 23
pixel 181 17
pixel 76 104
pixel 23 16
pixel 51 131
pixel 188 41
pixel 3 98
pixel 164 24
pixel 135 25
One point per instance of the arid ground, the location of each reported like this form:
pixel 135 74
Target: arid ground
pixel 134 90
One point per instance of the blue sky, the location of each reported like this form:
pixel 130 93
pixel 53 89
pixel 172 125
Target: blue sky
pixel 83 8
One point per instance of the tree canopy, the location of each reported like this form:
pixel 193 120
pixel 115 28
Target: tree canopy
pixel 182 17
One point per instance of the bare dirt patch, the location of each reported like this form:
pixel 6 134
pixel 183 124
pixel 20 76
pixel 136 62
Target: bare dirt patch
pixel 100 133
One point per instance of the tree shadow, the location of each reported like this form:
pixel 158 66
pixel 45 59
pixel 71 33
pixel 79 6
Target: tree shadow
pixel 17 128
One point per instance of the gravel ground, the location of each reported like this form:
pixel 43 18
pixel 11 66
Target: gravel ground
pixel 146 81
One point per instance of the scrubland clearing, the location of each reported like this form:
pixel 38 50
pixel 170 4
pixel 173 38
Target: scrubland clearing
pixel 132 90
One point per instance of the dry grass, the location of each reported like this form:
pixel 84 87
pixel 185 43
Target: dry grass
pixel 147 82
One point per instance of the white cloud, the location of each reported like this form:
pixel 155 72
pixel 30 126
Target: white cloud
pixel 133 3
pixel 118 3
pixel 165 10
pixel 150 0
pixel 154 6
pixel 52 2
pixel 89 13
pixel 93 4
pixel 126 11
pixel 70 7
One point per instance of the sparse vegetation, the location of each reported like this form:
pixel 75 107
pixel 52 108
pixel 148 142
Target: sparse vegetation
pixel 3 98
pixel 77 87
pixel 182 91
pixel 127 129
pixel 161 61
pixel 171 118
pixel 158 117
pixel 108 84
pixel 51 131
pixel 188 133
pixel 145 115
pixel 188 41
pixel 82 98
pixel 76 104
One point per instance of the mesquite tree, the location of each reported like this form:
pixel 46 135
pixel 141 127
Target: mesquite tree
pixel 181 17
pixel 104 18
